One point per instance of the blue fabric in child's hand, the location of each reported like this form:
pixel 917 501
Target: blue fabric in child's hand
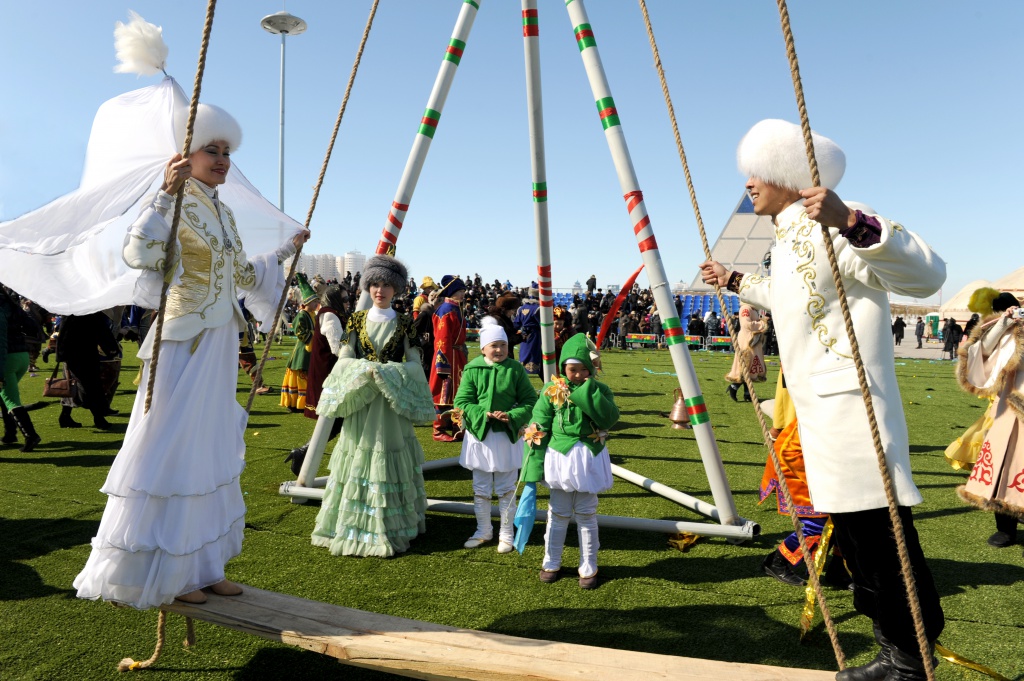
pixel 526 513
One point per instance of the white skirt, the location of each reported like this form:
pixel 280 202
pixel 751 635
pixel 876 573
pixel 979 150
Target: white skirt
pixel 578 471
pixel 495 454
pixel 174 513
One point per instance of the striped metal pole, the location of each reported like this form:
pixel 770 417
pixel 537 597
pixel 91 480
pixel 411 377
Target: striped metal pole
pixel 641 222
pixel 535 111
pixel 424 135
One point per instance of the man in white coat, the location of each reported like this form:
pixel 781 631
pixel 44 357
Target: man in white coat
pixel 875 256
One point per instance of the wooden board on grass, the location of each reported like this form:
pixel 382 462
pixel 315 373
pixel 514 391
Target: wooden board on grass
pixel 422 650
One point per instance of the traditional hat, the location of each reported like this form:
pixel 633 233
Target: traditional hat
pixel 773 151
pixel 508 301
pixel 560 313
pixel 427 284
pixel 534 290
pixel 1004 301
pixel 491 332
pixel 308 294
pixel 451 284
pixel 982 299
pixel 577 349
pixel 212 124
pixel 384 269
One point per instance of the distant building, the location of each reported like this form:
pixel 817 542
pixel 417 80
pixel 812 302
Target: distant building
pixel 353 262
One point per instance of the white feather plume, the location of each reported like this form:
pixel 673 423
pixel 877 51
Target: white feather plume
pixel 140 46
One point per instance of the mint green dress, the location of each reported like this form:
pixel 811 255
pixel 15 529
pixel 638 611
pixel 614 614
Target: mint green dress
pixel 375 501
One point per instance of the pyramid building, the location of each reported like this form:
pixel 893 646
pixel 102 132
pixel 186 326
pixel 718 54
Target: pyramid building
pixel 743 242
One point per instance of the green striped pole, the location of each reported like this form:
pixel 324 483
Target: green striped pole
pixel 608 115
pixel 425 134
pixel 535 109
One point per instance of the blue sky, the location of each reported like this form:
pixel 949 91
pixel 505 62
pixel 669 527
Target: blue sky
pixel 923 97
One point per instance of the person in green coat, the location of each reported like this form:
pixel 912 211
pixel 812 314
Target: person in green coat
pixel 494 402
pixel 293 387
pixel 565 450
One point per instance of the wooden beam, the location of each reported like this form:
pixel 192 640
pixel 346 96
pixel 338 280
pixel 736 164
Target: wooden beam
pixel 422 650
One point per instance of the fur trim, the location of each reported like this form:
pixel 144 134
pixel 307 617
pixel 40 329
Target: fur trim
pixel 1016 400
pixel 981 300
pixel 140 47
pixel 992 505
pixel 212 124
pixel 773 150
pixel 384 269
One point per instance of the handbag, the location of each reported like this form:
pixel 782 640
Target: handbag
pixel 66 387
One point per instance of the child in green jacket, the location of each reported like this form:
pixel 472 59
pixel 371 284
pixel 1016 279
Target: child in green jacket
pixel 565 449
pixel 495 399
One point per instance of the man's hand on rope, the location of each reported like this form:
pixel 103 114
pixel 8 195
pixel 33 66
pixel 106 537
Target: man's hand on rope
pixel 826 208
pixel 713 272
pixel 177 171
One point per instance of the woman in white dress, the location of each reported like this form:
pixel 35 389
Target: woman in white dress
pixel 175 513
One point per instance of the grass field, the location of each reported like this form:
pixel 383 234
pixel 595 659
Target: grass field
pixel 710 602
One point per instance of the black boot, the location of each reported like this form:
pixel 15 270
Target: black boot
pixel 775 565
pixel 10 428
pixel 296 457
pixel 907 667
pixel 836 575
pixel 733 388
pixel 99 420
pixel 877 669
pixel 1006 531
pixel 65 420
pixel 26 428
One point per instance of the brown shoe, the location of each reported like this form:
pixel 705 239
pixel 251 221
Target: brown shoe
pixel 549 576
pixel 196 597
pixel 589 582
pixel 226 588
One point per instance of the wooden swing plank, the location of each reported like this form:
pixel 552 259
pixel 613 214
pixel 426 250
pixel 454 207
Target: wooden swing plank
pixel 423 650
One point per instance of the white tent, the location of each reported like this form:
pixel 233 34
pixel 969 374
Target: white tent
pixel 1012 282
pixel 956 307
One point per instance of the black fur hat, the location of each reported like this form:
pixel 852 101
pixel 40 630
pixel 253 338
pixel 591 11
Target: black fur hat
pixel 384 269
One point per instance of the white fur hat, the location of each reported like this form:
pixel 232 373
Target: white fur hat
pixel 212 123
pixel 491 331
pixel 773 150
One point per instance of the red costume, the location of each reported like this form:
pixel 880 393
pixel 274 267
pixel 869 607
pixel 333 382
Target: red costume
pixel 446 368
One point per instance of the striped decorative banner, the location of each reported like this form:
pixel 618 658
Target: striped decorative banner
pixel 584 36
pixel 673 330
pixel 454 52
pixel 531 27
pixel 608 113
pixel 540 191
pixel 697 410
pixel 428 124
pixel 548 357
pixel 544 290
pixel 641 221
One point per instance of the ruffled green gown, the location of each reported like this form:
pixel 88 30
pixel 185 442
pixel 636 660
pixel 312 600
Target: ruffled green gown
pixel 375 500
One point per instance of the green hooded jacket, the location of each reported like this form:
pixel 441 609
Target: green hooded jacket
pixel 589 409
pixel 503 386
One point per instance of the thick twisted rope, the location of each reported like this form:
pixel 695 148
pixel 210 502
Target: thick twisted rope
pixel 258 377
pixel 876 438
pixel 128 664
pixel 780 467
pixel 172 241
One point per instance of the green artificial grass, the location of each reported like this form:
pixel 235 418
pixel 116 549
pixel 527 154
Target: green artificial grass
pixel 710 602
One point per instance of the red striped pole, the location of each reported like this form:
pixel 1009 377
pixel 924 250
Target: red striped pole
pixel 608 115
pixel 425 134
pixel 535 109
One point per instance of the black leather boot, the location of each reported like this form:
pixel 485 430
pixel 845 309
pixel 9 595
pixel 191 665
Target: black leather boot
pixel 25 426
pixel 296 457
pixel 733 388
pixel 775 565
pixel 1006 531
pixel 907 667
pixel 10 427
pixel 877 669
pixel 65 420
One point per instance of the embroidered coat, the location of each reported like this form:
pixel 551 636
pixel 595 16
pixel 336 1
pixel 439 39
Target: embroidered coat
pixel 302 326
pixel 842 468
pixel 990 366
pixel 449 352
pixel 527 323
pixel 751 347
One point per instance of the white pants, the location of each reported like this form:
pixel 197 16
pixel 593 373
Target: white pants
pixel 500 484
pixel 562 506
pixel 503 486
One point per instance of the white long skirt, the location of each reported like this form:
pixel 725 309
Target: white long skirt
pixel 579 470
pixel 493 454
pixel 174 513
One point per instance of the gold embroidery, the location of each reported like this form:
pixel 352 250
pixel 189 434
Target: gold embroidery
pixel 749 280
pixel 132 254
pixel 894 227
pixel 203 275
pixel 804 249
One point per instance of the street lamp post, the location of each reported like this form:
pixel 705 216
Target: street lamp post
pixel 284 24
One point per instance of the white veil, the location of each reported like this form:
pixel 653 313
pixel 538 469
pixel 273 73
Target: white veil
pixel 66 256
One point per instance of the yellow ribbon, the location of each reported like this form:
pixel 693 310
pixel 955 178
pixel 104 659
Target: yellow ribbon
pixel 818 564
pixel 950 656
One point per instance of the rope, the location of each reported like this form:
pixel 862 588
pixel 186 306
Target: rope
pixel 776 461
pixel 190 632
pixel 128 664
pixel 172 240
pixel 258 378
pixel 897 524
